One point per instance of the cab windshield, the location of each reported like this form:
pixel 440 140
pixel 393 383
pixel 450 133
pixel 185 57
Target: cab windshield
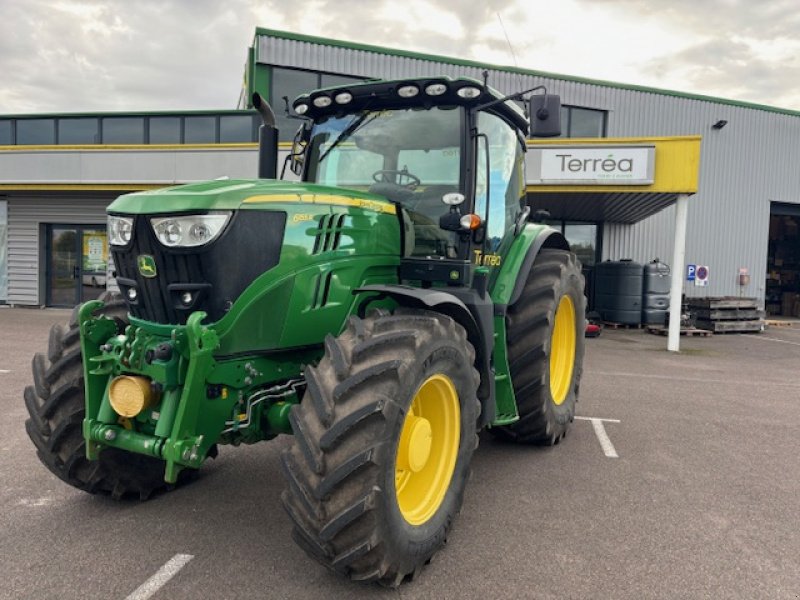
pixel 409 156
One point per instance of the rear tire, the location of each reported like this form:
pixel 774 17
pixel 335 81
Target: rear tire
pixel 56 409
pixel 351 492
pixel 546 391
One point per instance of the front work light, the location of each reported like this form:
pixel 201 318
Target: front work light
pixel 407 91
pixel 343 97
pixel 120 230
pixel 322 101
pixel 469 92
pixel 436 89
pixel 186 231
pixel 301 108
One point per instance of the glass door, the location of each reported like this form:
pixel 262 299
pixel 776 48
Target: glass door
pixel 77 258
pixel 94 261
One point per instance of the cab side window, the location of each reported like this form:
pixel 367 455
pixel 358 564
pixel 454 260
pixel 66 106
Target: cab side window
pixel 502 189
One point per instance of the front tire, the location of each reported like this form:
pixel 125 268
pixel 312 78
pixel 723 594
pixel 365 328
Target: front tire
pixel 383 441
pixel 545 349
pixel 56 409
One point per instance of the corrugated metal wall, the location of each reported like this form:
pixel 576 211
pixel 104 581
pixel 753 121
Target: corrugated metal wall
pixel 3 250
pixel 26 214
pixel 750 162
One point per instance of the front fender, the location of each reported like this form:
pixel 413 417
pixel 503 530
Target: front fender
pixel 506 288
pixel 468 309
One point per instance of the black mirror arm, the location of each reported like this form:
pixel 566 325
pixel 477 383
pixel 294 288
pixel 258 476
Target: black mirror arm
pixel 514 96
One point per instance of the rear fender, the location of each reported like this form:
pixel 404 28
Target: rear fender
pixel 506 288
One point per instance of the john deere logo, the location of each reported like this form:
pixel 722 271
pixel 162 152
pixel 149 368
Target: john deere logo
pixel 147 265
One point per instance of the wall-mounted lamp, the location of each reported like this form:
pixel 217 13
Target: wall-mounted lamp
pixel 719 124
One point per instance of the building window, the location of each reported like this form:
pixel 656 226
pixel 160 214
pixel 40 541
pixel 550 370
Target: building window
pixel 36 131
pixel 583 239
pixel 237 128
pixel 123 130
pixel 164 130
pixel 293 82
pixel 582 122
pixel 200 130
pixel 78 131
pixel 5 133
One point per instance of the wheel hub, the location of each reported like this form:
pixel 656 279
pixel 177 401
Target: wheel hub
pixel 415 444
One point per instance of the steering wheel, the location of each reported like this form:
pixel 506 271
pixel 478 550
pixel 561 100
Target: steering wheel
pixel 401 178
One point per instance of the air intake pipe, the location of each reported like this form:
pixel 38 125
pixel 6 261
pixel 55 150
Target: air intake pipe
pixel 267 139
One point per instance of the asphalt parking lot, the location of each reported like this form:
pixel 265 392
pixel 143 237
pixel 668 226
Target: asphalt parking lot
pixel 693 493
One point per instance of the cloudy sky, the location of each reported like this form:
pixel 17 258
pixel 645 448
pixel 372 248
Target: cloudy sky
pixel 90 55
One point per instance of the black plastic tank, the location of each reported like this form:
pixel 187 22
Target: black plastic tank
pixel 655 293
pixel 618 291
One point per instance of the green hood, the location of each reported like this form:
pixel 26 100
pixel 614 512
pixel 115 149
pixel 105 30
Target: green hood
pixel 231 194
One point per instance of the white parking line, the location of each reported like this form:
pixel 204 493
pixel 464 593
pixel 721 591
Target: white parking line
pixel 683 379
pixel 162 576
pixel 4 371
pixel 597 419
pixel 602 436
pixel 771 339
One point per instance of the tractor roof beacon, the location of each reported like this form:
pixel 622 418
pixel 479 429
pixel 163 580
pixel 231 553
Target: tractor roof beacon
pixel 383 310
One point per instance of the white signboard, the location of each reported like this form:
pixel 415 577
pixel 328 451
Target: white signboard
pixel 604 165
pixel 701 276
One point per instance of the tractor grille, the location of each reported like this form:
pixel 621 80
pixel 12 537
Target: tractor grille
pixel 215 275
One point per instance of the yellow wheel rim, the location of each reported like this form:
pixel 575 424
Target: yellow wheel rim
pixel 428 449
pixel 562 350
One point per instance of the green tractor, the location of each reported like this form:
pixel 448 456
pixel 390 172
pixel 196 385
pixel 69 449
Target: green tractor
pixel 383 310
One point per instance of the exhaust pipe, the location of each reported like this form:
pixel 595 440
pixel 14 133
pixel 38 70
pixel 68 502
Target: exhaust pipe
pixel 267 139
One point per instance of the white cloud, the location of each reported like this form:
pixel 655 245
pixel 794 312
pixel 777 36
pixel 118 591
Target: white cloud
pixel 86 55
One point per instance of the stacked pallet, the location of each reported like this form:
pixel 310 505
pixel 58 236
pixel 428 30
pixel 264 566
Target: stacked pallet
pixel 727 314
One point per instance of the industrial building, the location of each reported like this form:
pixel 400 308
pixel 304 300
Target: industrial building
pixel 58 172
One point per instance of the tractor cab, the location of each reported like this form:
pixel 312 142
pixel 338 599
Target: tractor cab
pixel 448 152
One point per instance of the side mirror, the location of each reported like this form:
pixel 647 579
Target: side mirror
pixel 545 112
pixel 298 153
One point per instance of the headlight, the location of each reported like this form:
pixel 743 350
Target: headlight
pixel 186 231
pixel 120 230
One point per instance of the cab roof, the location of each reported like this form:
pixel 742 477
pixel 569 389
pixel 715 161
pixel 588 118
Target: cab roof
pixel 424 92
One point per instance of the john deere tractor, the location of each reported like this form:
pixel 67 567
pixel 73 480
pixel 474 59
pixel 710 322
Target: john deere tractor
pixel 383 310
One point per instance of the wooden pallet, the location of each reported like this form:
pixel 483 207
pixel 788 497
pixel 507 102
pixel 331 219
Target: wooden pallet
pixel 731 326
pixel 727 314
pixel 779 323
pixel 722 302
pixel 687 331
pixel 613 325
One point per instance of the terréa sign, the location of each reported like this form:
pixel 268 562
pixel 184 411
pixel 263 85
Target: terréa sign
pixel 604 165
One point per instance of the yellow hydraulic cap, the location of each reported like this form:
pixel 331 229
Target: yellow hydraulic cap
pixel 129 395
